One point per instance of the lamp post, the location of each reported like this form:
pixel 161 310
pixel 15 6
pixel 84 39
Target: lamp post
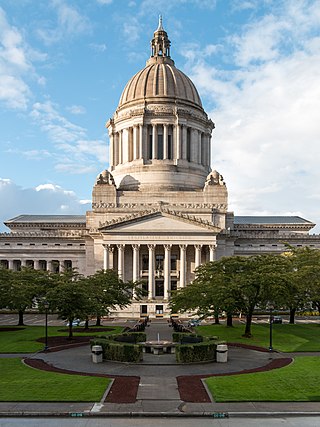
pixel 271 322
pixel 46 306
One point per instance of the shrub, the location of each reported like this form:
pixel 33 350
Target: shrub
pixel 201 352
pixel 119 352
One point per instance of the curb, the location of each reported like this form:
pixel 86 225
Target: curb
pixel 204 414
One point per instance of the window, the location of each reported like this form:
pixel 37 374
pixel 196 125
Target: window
pixel 145 262
pixel 173 265
pixel 159 309
pixel 173 285
pixel 160 147
pixel 159 288
pixel 169 146
pixel 19 244
pixel 143 309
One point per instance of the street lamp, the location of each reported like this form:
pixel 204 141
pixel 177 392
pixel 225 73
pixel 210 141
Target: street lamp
pixel 46 306
pixel 271 307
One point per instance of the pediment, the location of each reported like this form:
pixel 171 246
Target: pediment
pixel 160 221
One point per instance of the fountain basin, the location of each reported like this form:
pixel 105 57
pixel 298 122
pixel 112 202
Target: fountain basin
pixel 158 347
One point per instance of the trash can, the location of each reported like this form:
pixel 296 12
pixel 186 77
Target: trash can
pixel 96 351
pixel 222 353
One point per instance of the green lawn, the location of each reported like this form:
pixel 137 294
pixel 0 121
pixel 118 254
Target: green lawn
pixel 287 338
pixel 22 383
pixel 24 340
pixel 298 382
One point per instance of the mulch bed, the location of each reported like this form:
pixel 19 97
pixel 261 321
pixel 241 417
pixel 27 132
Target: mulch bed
pixel 10 329
pixel 59 343
pixel 123 389
pixel 91 329
pixel 191 388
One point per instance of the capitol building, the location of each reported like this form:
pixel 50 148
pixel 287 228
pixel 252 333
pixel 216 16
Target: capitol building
pixel 159 210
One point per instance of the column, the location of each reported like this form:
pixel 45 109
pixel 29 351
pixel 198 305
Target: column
pixel 212 252
pixel 165 142
pixel 36 264
pixel 23 263
pixel 197 259
pixel 10 264
pixel 140 154
pixel 145 142
pixel 111 261
pixel 154 141
pixel 167 270
pixel 183 265
pixel 135 142
pixel 151 281
pixel 121 261
pixel 135 265
pixel 209 150
pixel 49 265
pixel 111 159
pixel 199 148
pixel 178 142
pixel 105 257
pixel 120 148
pixel 116 149
pixel 184 142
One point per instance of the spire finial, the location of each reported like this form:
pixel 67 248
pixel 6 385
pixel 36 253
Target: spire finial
pixel 160 27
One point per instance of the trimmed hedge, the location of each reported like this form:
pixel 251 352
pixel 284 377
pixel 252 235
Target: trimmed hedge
pixel 200 352
pixel 133 337
pixel 120 352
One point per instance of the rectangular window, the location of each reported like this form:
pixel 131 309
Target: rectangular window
pixel 160 147
pixel 143 309
pixel 173 285
pixel 159 288
pixel 159 309
pixel 173 265
pixel 170 147
pixel 145 262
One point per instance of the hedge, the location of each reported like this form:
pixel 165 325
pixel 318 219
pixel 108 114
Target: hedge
pixel 200 352
pixel 133 337
pixel 120 352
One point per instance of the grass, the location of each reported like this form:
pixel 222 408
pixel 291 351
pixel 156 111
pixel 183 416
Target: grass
pixel 286 338
pixel 22 383
pixel 24 340
pixel 297 382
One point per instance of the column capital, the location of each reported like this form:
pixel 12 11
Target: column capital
pixel 110 248
pixel 167 247
pixel 198 246
pixel 151 247
pixel 183 247
pixel 121 247
pixel 213 246
pixel 135 246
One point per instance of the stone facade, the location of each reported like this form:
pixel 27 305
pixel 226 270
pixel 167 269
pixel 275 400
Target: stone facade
pixel 159 211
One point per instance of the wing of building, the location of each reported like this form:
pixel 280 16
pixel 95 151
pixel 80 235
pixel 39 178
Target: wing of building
pixel 159 211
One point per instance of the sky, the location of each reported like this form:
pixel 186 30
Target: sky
pixel 255 63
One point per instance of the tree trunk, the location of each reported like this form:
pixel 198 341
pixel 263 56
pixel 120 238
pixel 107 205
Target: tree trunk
pixel 229 320
pixel 70 329
pixel 86 325
pixel 247 332
pixel 20 322
pixel 216 319
pixel 98 322
pixel 292 315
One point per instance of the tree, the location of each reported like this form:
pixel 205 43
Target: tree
pixel 70 297
pixel 108 292
pixel 304 287
pixel 21 289
pixel 235 283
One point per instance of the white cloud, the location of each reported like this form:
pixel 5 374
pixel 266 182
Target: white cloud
pixel 76 109
pixel 98 47
pixel 69 23
pixel 76 153
pixel 104 2
pixel 266 109
pixel 44 199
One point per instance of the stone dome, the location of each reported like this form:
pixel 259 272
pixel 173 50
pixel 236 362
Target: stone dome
pixel 160 78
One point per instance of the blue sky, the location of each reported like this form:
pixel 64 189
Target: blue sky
pixel 64 64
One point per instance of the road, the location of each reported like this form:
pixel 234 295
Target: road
pixel 162 422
